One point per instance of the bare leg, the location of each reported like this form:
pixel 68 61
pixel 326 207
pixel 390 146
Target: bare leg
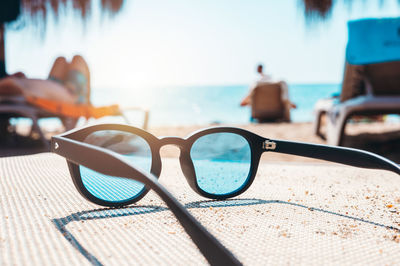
pixel 285 100
pixel 287 112
pixel 246 101
pixel 59 69
pixel 79 64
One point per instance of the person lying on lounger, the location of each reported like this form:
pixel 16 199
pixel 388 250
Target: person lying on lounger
pixel 67 82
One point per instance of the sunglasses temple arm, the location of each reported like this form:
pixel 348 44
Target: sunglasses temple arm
pixel 348 156
pixel 210 247
pixel 108 163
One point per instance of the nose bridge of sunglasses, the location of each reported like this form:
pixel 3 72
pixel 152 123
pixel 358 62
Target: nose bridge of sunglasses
pixel 171 151
pixel 183 154
pixel 176 141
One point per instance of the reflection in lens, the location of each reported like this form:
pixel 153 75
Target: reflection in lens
pixel 221 162
pixel 110 188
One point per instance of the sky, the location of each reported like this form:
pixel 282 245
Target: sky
pixel 181 42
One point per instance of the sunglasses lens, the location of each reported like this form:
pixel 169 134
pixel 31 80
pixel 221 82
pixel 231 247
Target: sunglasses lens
pixel 221 162
pixel 112 188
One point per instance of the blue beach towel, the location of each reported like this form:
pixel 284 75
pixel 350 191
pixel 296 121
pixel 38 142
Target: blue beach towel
pixel 373 41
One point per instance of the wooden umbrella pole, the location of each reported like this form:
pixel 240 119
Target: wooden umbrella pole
pixel 3 120
pixel 2 52
pixel 1 41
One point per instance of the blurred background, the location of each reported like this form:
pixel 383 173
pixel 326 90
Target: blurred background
pixel 191 62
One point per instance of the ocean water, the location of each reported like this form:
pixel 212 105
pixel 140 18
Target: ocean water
pixel 196 105
pixel 207 104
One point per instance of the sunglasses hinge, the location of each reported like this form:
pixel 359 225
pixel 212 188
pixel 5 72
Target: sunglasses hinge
pixel 269 145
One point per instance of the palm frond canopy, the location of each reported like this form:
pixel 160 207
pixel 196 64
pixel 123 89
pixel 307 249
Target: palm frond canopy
pixel 37 11
pixel 319 10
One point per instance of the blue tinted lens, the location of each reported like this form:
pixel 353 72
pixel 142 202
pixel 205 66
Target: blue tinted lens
pixel 221 162
pixel 112 188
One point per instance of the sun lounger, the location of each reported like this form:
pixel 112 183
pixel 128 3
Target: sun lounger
pixel 15 106
pixel 266 103
pixel 371 84
pixel 37 108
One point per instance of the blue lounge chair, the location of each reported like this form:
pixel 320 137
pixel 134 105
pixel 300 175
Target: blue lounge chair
pixel 371 83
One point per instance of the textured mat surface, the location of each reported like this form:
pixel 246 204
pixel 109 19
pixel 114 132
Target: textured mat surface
pixel 293 213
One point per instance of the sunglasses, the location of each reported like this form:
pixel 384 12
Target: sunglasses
pixel 115 165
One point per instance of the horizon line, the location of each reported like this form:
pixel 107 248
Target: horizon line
pixel 216 85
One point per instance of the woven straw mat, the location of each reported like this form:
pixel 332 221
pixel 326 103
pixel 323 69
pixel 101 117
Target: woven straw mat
pixel 292 214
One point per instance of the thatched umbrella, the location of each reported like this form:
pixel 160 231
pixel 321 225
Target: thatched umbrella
pixel 318 9
pixel 322 9
pixel 36 12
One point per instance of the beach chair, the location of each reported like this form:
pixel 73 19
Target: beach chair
pixel 16 106
pixel 266 103
pixel 371 83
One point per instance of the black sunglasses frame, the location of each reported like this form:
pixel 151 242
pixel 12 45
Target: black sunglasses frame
pixel 70 146
pixel 186 162
pixel 258 145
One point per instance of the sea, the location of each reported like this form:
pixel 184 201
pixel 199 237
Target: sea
pixel 201 105
pixel 198 105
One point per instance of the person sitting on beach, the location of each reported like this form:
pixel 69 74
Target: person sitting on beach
pixel 264 78
pixel 67 82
